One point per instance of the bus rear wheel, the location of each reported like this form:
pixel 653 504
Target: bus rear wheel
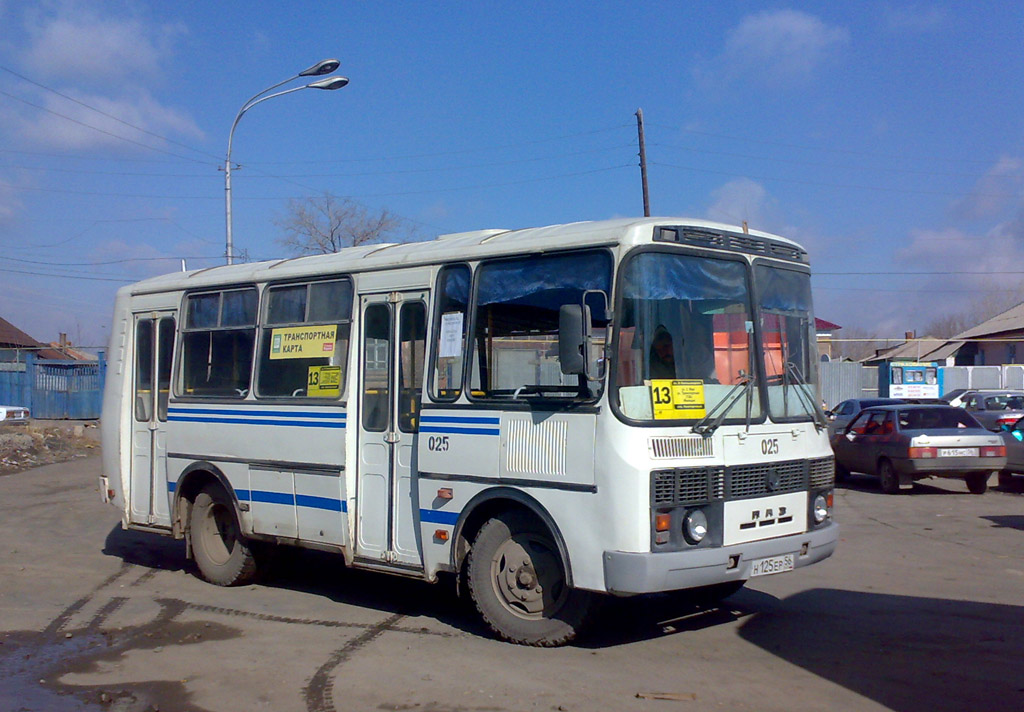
pixel 223 556
pixel 518 583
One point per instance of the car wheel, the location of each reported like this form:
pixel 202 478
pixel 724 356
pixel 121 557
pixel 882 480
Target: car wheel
pixel 890 480
pixel 977 482
pixel 1005 478
pixel 518 584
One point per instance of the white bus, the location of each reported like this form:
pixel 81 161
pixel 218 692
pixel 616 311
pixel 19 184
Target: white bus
pixel 617 407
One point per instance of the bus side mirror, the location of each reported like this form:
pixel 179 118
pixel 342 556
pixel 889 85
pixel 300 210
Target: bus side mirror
pixel 573 338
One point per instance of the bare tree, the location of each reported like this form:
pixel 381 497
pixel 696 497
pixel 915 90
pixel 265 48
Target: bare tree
pixel 855 343
pixel 327 223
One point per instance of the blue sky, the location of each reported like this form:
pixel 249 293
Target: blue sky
pixel 884 136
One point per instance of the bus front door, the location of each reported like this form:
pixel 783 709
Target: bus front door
pixel 393 341
pixel 154 348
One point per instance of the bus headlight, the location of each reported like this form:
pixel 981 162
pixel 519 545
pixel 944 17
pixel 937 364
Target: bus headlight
pixel 695 526
pixel 820 509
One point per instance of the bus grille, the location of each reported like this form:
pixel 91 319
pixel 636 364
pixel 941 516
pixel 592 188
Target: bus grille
pixel 690 485
pixel 694 485
pixel 823 472
pixel 672 447
pixel 753 480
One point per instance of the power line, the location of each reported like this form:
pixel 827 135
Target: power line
pixel 846 186
pixel 99 130
pixel 823 149
pixel 109 116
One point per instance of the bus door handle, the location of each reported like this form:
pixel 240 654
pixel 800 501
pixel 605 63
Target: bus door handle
pixel 391 437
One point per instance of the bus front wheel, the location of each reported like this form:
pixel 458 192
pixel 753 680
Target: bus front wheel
pixel 223 556
pixel 518 583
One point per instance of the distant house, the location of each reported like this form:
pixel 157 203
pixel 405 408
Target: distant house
pixel 914 348
pixel 825 330
pixel 15 343
pixel 998 340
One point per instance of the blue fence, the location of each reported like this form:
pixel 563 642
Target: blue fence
pixel 54 389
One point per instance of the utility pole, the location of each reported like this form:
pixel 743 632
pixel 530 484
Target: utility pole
pixel 643 161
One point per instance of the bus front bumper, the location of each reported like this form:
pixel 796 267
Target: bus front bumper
pixel 628 573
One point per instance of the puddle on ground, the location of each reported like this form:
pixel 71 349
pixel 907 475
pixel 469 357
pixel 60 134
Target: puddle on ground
pixel 32 665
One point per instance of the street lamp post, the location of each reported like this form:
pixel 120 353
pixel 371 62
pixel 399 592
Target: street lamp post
pixel 321 68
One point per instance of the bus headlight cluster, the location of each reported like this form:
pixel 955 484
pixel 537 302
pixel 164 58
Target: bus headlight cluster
pixel 695 526
pixel 820 509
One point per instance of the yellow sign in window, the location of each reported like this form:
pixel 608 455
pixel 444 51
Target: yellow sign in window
pixel 324 382
pixel 303 341
pixel 677 399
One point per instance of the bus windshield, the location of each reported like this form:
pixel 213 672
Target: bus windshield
pixel 787 338
pixel 684 339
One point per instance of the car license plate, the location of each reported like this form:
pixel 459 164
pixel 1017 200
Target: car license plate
pixel 958 452
pixel 771 565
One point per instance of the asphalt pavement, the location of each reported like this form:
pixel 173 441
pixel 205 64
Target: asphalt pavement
pixel 919 609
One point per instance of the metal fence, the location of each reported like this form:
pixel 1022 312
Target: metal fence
pixel 841 380
pixel 54 389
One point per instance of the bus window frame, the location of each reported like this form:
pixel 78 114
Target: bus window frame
pixel 264 331
pixel 762 377
pixel 535 401
pixel 182 329
pixel 435 331
pixel 613 378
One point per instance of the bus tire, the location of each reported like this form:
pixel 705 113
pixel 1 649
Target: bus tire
pixel 223 556
pixel 518 583
pixel 890 480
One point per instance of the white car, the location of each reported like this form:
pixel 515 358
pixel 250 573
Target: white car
pixel 13 415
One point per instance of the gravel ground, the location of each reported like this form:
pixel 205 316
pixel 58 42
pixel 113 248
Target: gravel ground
pixel 43 442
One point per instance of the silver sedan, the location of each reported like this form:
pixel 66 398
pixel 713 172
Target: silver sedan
pixel 903 443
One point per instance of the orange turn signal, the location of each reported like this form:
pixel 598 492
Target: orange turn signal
pixel 662 522
pixel 441 534
pixel 445 493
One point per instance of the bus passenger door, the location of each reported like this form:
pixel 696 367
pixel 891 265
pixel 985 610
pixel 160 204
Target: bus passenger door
pixel 390 382
pixel 154 349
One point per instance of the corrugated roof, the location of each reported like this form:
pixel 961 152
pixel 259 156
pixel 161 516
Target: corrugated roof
pixel 1010 320
pixel 13 337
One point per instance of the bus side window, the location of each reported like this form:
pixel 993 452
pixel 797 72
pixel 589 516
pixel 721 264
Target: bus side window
pixel 450 324
pixel 304 339
pixel 412 342
pixel 218 343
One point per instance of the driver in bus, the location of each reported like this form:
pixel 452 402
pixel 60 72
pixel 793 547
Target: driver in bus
pixel 662 358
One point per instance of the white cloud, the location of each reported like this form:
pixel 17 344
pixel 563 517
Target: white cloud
pixel 778 46
pixel 102 59
pixel 81 45
pixel 140 109
pixel 998 188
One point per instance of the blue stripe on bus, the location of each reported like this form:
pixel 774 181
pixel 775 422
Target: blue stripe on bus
pixel 467 419
pixel 256 421
pixel 273 497
pixel 302 500
pixel 460 431
pixel 331 505
pixel 254 411
pixel 436 516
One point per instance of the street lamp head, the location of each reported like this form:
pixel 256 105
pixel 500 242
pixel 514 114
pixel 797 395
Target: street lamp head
pixel 324 66
pixel 329 83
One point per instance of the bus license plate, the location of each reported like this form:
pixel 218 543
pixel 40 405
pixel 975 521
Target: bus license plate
pixel 771 565
pixel 958 452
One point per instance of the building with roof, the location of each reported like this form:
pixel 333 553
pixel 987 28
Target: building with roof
pixel 999 340
pixel 15 344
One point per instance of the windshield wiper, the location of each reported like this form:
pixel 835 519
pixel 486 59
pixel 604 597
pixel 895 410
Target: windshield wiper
pixel 716 416
pixel 820 421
